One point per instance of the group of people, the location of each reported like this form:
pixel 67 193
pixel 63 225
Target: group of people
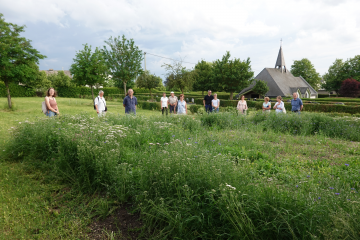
pixel 177 106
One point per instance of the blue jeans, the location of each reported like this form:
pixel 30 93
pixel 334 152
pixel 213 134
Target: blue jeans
pixel 50 113
pixel 208 108
pixel 215 110
pixel 297 111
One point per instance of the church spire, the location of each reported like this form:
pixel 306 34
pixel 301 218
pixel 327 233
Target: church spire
pixel 280 62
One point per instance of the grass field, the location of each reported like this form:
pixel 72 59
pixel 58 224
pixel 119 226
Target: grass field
pixel 218 176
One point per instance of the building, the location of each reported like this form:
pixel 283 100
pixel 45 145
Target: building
pixel 280 82
pixel 52 71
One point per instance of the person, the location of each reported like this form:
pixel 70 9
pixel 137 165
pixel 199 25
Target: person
pixel 296 103
pixel 215 103
pixel 182 109
pixel 207 102
pixel 100 104
pixel 279 106
pixel 130 102
pixel 172 102
pixel 164 104
pixel 242 105
pixel 51 105
pixel 266 105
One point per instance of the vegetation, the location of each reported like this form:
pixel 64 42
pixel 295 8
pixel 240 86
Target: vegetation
pixel 60 79
pixel 178 76
pixel 148 81
pixel 203 78
pixel 232 75
pixel 124 60
pixel 260 87
pixel 306 69
pixel 350 88
pixel 17 56
pixel 89 68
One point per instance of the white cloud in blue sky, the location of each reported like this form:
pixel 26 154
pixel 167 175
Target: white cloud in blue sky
pixel 320 30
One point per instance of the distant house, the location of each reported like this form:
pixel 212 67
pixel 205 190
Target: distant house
pixel 52 71
pixel 280 82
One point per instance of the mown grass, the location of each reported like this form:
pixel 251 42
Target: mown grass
pixel 218 176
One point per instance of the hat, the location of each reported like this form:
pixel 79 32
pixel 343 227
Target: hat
pixel 172 92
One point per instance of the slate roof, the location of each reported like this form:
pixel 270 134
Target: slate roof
pixel 280 61
pixel 52 71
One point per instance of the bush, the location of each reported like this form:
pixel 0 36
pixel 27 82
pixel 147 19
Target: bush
pixel 149 105
pixel 195 108
pixel 16 90
pixel 74 92
pixel 350 88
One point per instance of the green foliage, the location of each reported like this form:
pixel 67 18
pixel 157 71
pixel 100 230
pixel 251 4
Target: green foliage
pixel 178 76
pixel 306 69
pixel 149 105
pixel 89 68
pixel 260 87
pixel 148 81
pixel 74 92
pixel 17 56
pixel 60 79
pixel 203 78
pixel 124 60
pixel 17 90
pixel 195 108
pixel 351 68
pixel 232 75
pixel 334 77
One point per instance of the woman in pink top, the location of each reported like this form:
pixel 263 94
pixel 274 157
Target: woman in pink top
pixel 51 105
pixel 242 106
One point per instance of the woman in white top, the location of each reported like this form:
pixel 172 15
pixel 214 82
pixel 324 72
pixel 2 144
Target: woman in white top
pixel 279 106
pixel 164 104
pixel 215 103
pixel 242 105
pixel 182 109
pixel 266 105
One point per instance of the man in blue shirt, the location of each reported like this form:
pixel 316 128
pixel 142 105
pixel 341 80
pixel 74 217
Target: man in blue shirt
pixel 130 102
pixel 296 103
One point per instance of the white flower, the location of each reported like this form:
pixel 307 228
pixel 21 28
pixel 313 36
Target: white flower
pixel 100 130
pixel 19 122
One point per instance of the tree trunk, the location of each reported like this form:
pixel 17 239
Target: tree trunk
pixel 231 95
pixel 8 94
pixel 182 90
pixel 125 88
pixel 92 93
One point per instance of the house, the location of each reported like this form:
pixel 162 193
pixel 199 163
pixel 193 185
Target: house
pixel 280 82
pixel 52 71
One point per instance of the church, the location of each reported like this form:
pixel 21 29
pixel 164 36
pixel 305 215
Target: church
pixel 281 82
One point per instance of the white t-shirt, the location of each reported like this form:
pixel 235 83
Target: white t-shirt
pixel 164 101
pixel 215 102
pixel 281 105
pixel 101 103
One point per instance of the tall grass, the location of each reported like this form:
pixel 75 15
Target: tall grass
pixel 218 176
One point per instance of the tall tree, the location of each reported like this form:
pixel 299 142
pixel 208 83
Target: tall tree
pixel 351 68
pixel 260 87
pixel 148 81
pixel 60 79
pixel 334 77
pixel 203 79
pixel 232 75
pixel 124 60
pixel 178 76
pixel 17 56
pixel 89 68
pixel 306 69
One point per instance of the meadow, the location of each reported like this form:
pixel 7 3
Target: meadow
pixel 217 176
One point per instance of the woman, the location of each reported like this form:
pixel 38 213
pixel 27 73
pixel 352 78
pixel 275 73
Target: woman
pixel 215 103
pixel 242 105
pixel 279 106
pixel 182 109
pixel 266 105
pixel 51 105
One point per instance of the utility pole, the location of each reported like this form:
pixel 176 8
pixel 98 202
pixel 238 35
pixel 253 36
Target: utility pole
pixel 145 62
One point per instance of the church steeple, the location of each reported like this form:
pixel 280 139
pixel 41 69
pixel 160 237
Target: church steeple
pixel 280 62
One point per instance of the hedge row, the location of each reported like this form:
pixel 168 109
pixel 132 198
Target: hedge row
pixel 149 105
pixel 307 107
pixel 16 90
pixel 74 92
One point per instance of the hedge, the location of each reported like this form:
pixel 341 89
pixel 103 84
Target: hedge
pixel 149 105
pixel 74 92
pixel 16 90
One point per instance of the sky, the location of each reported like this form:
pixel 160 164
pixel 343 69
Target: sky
pixel 192 30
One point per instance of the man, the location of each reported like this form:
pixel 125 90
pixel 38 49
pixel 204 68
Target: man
pixel 100 104
pixel 296 104
pixel 164 104
pixel 172 102
pixel 207 101
pixel 130 102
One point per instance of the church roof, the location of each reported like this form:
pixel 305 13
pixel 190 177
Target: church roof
pixel 280 61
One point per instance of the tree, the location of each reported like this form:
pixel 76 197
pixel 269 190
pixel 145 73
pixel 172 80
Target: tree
pixel 306 69
pixel 260 87
pixel 351 68
pixel 89 68
pixel 123 59
pixel 232 75
pixel 60 79
pixel 178 76
pixel 350 88
pixel 148 81
pixel 334 77
pixel 203 79
pixel 17 56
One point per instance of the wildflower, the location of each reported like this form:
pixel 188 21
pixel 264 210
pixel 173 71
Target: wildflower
pixel 297 185
pixel 352 188
pixel 348 199
pixel 100 130
pixel 219 143
pixel 196 142
pixel 308 176
pixel 331 188
pixel 346 164
pixel 173 135
pixel 319 198
pixel 337 193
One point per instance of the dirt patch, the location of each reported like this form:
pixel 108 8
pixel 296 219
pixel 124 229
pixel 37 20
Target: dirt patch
pixel 121 224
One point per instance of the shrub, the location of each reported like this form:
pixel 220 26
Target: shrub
pixel 195 108
pixel 16 90
pixel 350 88
pixel 149 105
